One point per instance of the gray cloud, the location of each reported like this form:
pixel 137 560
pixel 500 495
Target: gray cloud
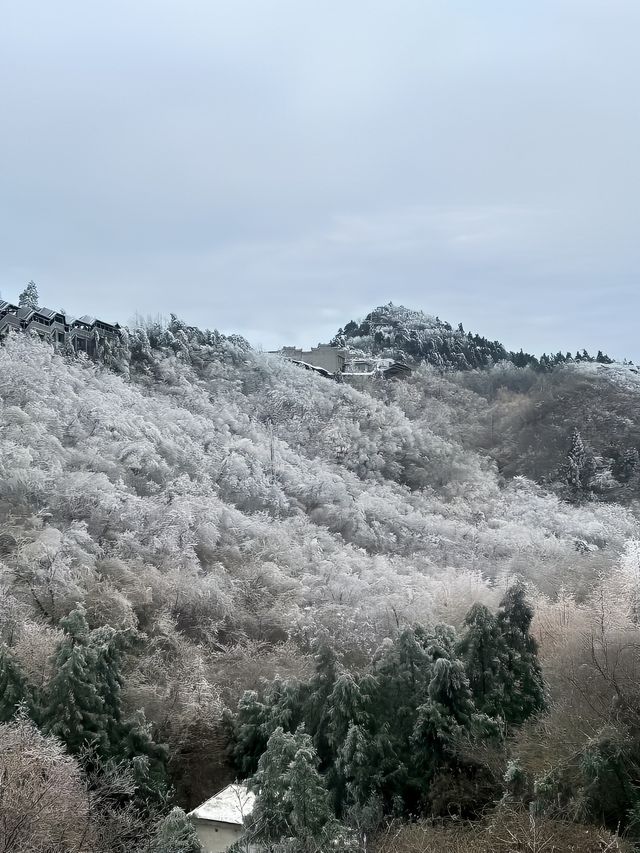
pixel 278 167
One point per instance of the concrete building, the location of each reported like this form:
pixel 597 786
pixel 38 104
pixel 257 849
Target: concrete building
pixel 324 356
pixel 219 821
pixel 340 363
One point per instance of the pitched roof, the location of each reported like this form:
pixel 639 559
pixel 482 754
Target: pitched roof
pixel 231 805
pixel 47 312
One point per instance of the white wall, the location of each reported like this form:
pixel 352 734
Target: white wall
pixel 216 837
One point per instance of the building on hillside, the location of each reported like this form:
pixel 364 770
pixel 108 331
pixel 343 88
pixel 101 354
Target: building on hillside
pixel 324 356
pixel 397 370
pixel 84 335
pixel 219 821
pixel 87 334
pixel 339 363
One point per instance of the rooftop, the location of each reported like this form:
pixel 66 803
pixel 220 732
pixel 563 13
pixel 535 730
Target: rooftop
pixel 231 805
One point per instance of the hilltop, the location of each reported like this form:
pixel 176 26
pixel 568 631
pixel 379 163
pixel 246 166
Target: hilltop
pixel 398 332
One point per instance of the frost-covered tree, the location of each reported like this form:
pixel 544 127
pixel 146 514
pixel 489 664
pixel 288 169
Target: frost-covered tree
pixel 523 691
pixel 449 709
pixel 316 706
pixel 628 576
pixel 307 795
pixel 176 834
pixel 14 688
pixel 74 709
pixel 147 758
pixel 292 801
pixel 258 718
pixel 29 298
pixel 44 801
pixel 483 650
pixel 271 816
pixel 351 702
pixel 580 469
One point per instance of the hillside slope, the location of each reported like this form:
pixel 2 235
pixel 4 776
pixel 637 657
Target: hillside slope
pixel 229 508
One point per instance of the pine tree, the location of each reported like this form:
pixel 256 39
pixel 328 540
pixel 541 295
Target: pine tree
pixel 523 684
pixel 176 834
pixel 580 469
pixel 29 298
pixel 74 709
pixel 13 685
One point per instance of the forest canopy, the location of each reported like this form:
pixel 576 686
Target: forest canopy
pixel 216 565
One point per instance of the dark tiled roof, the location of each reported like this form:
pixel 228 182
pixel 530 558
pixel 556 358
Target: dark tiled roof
pixel 47 312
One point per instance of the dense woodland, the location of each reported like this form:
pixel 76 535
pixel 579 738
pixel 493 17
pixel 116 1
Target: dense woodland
pixel 406 615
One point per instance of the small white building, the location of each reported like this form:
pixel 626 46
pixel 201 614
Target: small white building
pixel 219 821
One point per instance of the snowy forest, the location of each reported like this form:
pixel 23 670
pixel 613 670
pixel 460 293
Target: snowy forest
pixel 406 615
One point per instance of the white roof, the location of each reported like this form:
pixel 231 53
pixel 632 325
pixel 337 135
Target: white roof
pixel 231 805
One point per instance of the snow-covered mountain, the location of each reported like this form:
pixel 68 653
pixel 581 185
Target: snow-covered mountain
pixel 401 333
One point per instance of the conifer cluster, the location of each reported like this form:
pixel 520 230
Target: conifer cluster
pixel 348 749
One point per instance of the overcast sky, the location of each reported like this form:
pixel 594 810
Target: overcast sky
pixel 278 167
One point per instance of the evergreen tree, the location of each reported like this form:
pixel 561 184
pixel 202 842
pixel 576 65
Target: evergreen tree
pixel 248 733
pixel 404 671
pixel 74 709
pixel 350 702
pixel 106 645
pixel 147 758
pixel 256 720
pixel 307 795
pixel 448 710
pixel 176 834
pixel 316 708
pixel 367 768
pixel 292 800
pixel 580 469
pixel 484 653
pixel 13 685
pixel 29 297
pixel 271 817
pixel 625 464
pixel 523 683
